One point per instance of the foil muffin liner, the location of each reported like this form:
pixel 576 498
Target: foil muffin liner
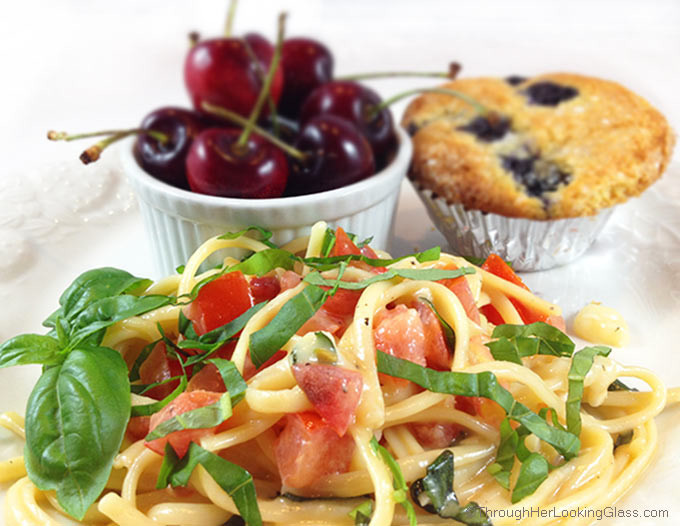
pixel 528 244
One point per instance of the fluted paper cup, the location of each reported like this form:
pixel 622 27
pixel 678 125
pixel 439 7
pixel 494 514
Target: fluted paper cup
pixel 527 244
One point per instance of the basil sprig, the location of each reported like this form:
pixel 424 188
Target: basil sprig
pixel 514 342
pixel 233 479
pixel 78 410
pixel 434 493
pixel 400 488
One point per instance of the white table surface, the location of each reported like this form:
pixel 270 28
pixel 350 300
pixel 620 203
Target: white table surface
pixel 85 65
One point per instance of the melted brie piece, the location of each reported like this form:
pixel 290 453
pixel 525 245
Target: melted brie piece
pixel 600 324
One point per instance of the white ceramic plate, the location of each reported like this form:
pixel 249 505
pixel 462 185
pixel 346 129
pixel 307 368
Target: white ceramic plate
pixel 59 221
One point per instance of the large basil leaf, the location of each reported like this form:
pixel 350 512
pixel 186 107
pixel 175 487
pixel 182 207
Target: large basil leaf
pixel 30 348
pixel 105 312
pixel 75 422
pixel 96 284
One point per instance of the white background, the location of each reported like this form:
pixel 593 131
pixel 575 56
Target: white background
pixel 81 65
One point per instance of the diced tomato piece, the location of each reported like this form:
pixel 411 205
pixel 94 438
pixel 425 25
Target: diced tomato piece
pixel 492 315
pixel 308 449
pixel 249 369
pixel 557 322
pixel 219 302
pixel 500 268
pixel 289 280
pixel 344 246
pixel 434 435
pixel 138 427
pixel 180 440
pixel 437 353
pixel 322 321
pixel 399 332
pixel 461 288
pixel 158 367
pixel 333 391
pixel 335 314
pixel 264 288
pixel 207 379
pixel 342 303
pixel 486 409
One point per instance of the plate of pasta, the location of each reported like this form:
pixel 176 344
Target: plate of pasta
pixel 328 382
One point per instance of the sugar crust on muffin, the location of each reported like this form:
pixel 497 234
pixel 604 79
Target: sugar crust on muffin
pixel 561 145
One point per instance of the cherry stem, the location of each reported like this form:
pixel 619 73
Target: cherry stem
pixel 454 69
pixel 264 92
pixel 479 108
pixel 93 152
pixel 63 136
pixel 231 13
pixel 242 121
pixel 262 74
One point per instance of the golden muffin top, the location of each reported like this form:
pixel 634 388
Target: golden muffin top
pixel 552 146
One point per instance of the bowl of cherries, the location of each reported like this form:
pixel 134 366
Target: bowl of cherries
pixel 273 139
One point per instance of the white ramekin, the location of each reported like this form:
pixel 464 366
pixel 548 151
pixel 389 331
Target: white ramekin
pixel 178 221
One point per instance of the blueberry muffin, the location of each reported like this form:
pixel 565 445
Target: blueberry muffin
pixel 554 146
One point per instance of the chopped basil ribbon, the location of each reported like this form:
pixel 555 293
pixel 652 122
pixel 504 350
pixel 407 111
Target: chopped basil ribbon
pixel 484 384
pixel 434 493
pixel 362 513
pixel 233 479
pixel 293 315
pixel 514 342
pixel 233 381
pixel 532 473
pixel 618 385
pixel 141 358
pixel 580 365
pixel 150 409
pixel 434 274
pixel 213 340
pixel 505 455
pixel 328 263
pixel 449 334
pixel 257 264
pixel 399 483
pixel 266 235
pixel 534 467
pixel 328 242
pixel 200 418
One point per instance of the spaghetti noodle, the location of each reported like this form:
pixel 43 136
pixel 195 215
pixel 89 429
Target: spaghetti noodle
pixel 366 380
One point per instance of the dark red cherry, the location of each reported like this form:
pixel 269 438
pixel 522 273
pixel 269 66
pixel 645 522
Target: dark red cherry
pixel 165 160
pixel 221 71
pixel 336 154
pixel 261 47
pixel 355 103
pixel 307 64
pixel 216 165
